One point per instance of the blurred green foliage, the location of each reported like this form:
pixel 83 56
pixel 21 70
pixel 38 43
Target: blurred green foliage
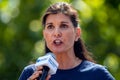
pixel 21 40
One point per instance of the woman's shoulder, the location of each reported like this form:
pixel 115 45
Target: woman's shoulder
pixel 87 65
pixel 96 69
pixel 27 71
pixel 30 67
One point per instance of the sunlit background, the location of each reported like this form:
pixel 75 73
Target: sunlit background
pixel 21 40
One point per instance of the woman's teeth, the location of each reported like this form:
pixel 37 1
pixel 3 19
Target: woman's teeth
pixel 57 42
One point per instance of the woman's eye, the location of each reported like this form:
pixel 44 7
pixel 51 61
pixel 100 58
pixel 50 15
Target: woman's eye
pixel 50 27
pixel 64 26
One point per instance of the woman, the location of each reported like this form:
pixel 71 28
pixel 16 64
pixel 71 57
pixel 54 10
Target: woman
pixel 62 37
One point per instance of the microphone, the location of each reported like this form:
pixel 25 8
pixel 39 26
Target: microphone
pixel 49 64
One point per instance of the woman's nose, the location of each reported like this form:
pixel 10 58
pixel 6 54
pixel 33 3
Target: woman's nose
pixel 57 33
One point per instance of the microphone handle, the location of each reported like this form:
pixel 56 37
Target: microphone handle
pixel 44 73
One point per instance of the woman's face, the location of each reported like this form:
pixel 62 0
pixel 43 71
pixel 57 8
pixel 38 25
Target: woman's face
pixel 59 33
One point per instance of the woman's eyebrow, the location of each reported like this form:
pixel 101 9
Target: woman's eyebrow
pixel 64 22
pixel 48 23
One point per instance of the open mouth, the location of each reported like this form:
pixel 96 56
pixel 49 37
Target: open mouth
pixel 57 42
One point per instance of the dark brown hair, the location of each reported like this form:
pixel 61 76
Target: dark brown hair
pixel 79 47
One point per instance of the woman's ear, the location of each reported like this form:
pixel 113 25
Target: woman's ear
pixel 78 33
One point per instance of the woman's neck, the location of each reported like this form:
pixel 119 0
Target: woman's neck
pixel 67 61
